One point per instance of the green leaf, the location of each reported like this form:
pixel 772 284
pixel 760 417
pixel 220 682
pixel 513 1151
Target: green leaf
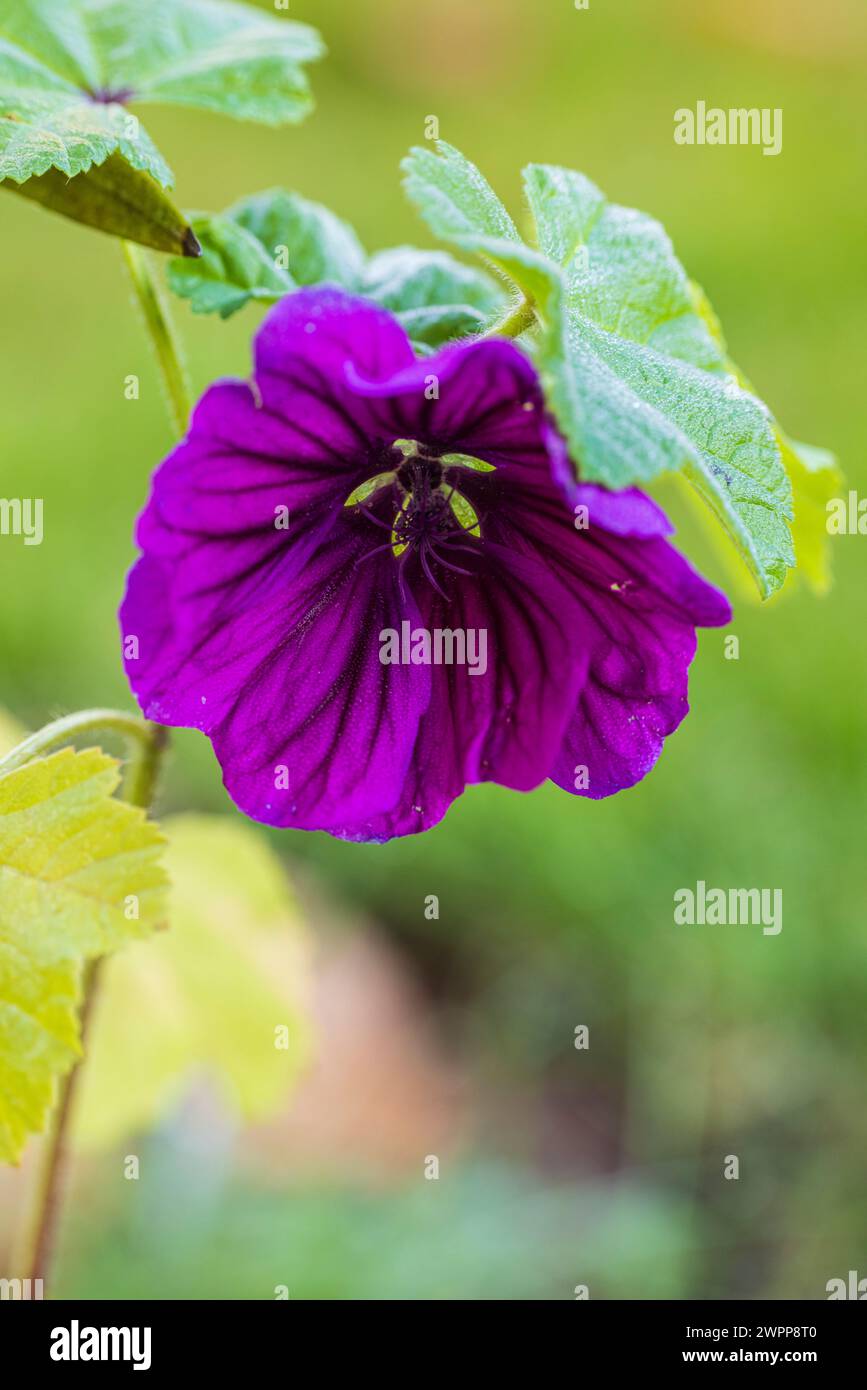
pixel 404 278
pixel 641 384
pixel 214 54
pixel 114 198
pixel 631 413
pixel 48 122
pixel 73 861
pixel 266 245
pixel 620 267
pixel 565 206
pixel 205 998
pixel 637 380
pixel 233 269
pixel 263 247
pixel 68 72
pixel 435 297
pixel 316 244
pixel 437 324
pixel 454 198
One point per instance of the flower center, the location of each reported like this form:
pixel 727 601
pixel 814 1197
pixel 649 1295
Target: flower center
pixel 431 518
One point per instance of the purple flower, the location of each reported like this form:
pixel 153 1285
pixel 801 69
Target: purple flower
pixel 372 580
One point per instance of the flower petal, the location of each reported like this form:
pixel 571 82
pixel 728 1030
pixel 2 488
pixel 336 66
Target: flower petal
pixel 479 398
pixel 504 723
pixel 242 485
pixel 321 735
pixel 311 729
pixel 303 351
pixel 627 513
pixel 639 605
pixel 642 603
pixel 239 507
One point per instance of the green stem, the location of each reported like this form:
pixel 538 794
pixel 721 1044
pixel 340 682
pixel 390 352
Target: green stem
pixel 162 334
pixel 518 319
pixel 143 769
pixel 148 742
pixel 38 1251
pixel 72 726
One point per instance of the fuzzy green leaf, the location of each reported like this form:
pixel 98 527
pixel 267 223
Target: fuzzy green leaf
pixel 435 297
pixel 641 384
pixel 436 325
pixel 316 243
pixel 404 278
pixel 206 997
pixel 631 413
pixel 638 382
pixel 68 71
pixel 565 206
pixel 263 247
pixel 233 269
pixel 268 244
pixel 454 198
pixel 73 861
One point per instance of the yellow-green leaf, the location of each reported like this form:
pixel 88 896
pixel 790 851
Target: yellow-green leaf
pixel 79 876
pixel 816 478
pixel 211 997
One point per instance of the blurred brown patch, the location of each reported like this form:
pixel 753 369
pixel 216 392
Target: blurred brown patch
pixel 480 45
pixel 16 1191
pixel 381 1093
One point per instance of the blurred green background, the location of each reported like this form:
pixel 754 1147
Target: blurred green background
pixel 454 1037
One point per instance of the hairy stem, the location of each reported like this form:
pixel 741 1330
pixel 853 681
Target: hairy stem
pixel 147 742
pixel 162 334
pixel 73 726
pixel 143 769
pixel 517 320
pixel 38 1253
